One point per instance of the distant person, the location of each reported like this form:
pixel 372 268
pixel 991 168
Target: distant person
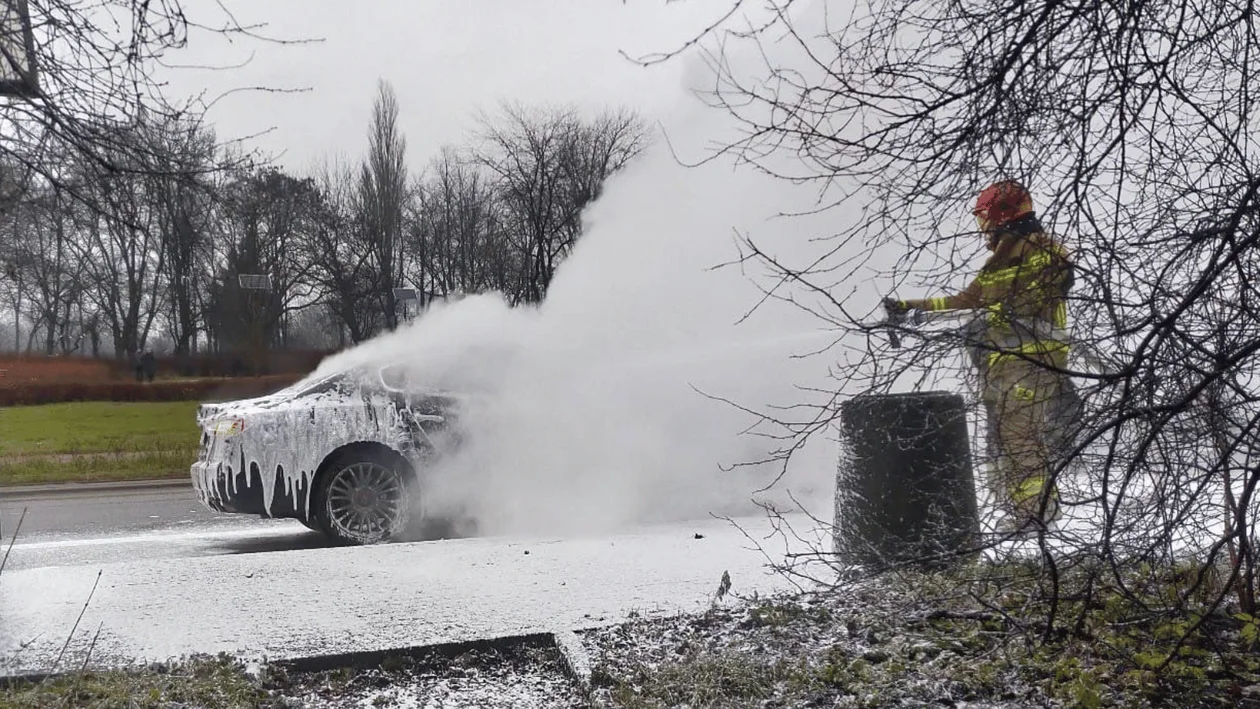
pixel 1022 288
pixel 148 365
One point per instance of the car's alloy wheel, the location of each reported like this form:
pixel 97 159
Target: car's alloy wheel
pixel 365 501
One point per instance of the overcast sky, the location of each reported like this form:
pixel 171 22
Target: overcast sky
pixel 445 58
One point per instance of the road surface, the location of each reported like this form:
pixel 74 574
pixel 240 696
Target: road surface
pixel 147 574
pixel 101 525
pixel 327 601
pixel 102 508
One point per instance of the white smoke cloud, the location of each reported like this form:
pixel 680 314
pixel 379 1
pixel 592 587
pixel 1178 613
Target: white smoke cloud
pixel 595 412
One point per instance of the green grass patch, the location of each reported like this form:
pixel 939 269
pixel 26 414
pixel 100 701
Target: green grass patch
pixel 733 680
pixel 108 467
pixel 217 683
pixel 99 427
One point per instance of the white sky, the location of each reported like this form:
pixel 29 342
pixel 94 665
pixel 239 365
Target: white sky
pixel 445 58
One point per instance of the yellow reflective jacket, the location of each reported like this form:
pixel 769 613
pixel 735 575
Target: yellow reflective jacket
pixel 1024 283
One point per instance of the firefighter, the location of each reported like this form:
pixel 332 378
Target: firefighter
pixel 1022 288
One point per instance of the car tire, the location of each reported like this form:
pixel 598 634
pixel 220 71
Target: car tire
pixel 365 497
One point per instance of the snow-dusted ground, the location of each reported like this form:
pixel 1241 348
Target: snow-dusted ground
pixel 328 601
pixel 857 648
pixel 853 649
pixel 521 678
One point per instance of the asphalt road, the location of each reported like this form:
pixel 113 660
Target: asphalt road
pixel 100 525
pixel 111 576
pixel 313 602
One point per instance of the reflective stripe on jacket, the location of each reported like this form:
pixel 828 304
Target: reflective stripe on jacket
pixel 1023 286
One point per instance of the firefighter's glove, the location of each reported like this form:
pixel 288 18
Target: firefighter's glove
pixel 895 310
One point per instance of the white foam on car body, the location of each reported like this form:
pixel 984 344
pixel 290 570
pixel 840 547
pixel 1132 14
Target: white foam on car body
pixel 288 435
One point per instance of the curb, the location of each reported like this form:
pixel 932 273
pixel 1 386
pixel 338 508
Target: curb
pixel 573 655
pixel 54 489
pixel 367 659
pixel 574 660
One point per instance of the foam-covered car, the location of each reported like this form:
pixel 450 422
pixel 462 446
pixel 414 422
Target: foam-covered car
pixel 345 453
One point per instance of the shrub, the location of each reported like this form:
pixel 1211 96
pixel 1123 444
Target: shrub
pixel 230 364
pixel 17 370
pixel 216 389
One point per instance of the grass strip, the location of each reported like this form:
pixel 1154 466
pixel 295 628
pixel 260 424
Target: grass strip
pixel 98 427
pixel 145 465
pixel 201 682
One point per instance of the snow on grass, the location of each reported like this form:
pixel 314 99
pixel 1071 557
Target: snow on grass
pixel 800 650
pixel 879 645
pixel 869 644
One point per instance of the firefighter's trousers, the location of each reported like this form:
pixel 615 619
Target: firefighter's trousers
pixel 1018 395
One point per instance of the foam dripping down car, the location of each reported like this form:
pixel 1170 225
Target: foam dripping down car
pixel 346 454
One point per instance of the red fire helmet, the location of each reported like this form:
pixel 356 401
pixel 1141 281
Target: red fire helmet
pixel 1003 202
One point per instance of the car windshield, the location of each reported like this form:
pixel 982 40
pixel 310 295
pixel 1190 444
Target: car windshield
pixel 377 377
pixel 479 372
pixel 325 383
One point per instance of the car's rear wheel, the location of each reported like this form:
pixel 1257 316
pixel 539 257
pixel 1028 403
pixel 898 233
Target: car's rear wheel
pixel 365 498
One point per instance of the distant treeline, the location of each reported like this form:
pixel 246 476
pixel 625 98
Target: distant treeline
pixel 145 248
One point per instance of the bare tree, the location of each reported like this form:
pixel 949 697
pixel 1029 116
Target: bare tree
pixel 57 276
pixel 121 247
pixel 43 258
pixel 264 221
pixel 135 239
pixel 182 185
pixel 339 249
pixel 91 69
pixel 1133 125
pixel 597 149
pixel 548 165
pixel 316 327
pixel 383 201
pixel 80 94
pixel 15 266
pixel 456 237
